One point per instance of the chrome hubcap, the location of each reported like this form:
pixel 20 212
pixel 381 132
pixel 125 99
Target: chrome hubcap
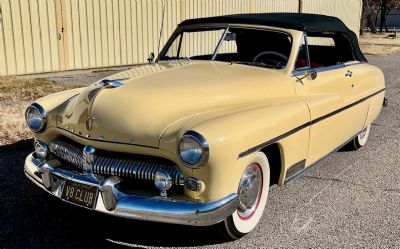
pixel 250 189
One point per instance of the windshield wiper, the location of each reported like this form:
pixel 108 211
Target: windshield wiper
pixel 253 63
pixel 166 58
pixel 186 58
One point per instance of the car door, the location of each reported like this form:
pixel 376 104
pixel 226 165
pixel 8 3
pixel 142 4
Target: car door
pixel 330 98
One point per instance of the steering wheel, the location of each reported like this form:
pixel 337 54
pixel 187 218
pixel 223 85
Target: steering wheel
pixel 277 62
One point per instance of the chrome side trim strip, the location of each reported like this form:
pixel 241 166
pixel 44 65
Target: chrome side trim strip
pixel 272 141
pixel 312 122
pixel 345 107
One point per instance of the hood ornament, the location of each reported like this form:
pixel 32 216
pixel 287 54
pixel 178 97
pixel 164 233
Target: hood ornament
pixel 93 94
pixel 112 83
pixel 89 123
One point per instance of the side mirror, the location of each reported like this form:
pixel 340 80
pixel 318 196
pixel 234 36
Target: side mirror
pixel 150 59
pixel 312 75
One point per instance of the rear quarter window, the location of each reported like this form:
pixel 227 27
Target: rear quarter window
pixel 328 51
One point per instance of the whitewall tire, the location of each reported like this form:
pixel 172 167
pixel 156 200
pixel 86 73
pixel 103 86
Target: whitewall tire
pixel 253 193
pixel 360 140
pixel 362 137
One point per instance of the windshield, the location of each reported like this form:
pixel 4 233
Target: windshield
pixel 254 47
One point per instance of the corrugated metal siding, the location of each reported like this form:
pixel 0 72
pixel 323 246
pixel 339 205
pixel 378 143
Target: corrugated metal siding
pixel 53 35
pixel 28 41
pixel 276 5
pixel 349 11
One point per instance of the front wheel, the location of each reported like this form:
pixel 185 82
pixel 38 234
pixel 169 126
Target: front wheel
pixel 253 193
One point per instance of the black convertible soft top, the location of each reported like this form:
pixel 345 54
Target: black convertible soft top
pixel 310 23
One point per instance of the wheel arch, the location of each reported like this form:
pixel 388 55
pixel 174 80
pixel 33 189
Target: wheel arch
pixel 274 154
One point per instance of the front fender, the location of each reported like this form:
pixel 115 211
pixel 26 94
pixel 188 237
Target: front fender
pixel 50 104
pixel 232 132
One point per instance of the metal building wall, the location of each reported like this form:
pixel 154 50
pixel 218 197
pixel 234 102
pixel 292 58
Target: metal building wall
pixel 53 35
pixel 276 6
pixel 28 42
pixel 349 11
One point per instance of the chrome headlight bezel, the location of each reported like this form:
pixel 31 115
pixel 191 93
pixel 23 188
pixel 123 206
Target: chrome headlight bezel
pixel 201 142
pixel 42 115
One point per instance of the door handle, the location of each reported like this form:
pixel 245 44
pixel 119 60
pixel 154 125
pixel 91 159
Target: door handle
pixel 349 73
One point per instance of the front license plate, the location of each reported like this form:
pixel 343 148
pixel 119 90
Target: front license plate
pixel 81 194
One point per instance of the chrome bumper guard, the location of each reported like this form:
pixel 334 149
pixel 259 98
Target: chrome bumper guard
pixel 114 202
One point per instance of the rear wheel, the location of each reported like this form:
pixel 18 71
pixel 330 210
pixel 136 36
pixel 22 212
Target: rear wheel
pixel 253 193
pixel 360 140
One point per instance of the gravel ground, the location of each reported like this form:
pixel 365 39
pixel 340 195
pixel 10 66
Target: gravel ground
pixel 349 200
pixel 79 77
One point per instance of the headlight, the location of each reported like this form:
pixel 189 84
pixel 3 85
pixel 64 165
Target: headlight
pixel 193 149
pixel 36 117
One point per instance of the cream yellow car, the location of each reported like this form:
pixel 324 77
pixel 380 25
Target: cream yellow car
pixel 231 105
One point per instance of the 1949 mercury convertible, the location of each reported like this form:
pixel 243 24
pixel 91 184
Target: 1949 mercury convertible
pixel 232 105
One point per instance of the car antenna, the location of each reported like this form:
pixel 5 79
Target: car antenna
pixel 162 27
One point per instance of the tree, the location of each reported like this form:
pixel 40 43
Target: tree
pixel 367 17
pixel 384 13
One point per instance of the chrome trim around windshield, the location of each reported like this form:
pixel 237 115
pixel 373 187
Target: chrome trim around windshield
pixel 219 43
pixel 225 26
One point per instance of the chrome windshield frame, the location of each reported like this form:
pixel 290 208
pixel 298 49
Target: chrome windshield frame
pixel 178 32
pixel 220 43
pixel 225 26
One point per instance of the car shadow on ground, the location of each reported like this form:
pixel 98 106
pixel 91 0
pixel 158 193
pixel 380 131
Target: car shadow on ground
pixel 31 218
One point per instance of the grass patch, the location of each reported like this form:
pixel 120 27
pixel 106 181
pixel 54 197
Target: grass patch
pixel 16 94
pixel 379 44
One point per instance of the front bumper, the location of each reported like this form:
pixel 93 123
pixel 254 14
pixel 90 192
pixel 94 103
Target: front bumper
pixel 112 201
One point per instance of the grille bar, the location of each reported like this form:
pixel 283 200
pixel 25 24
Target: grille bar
pixel 123 166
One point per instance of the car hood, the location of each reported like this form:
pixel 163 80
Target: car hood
pixel 153 97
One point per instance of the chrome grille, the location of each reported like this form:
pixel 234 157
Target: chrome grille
pixel 68 152
pixel 115 164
